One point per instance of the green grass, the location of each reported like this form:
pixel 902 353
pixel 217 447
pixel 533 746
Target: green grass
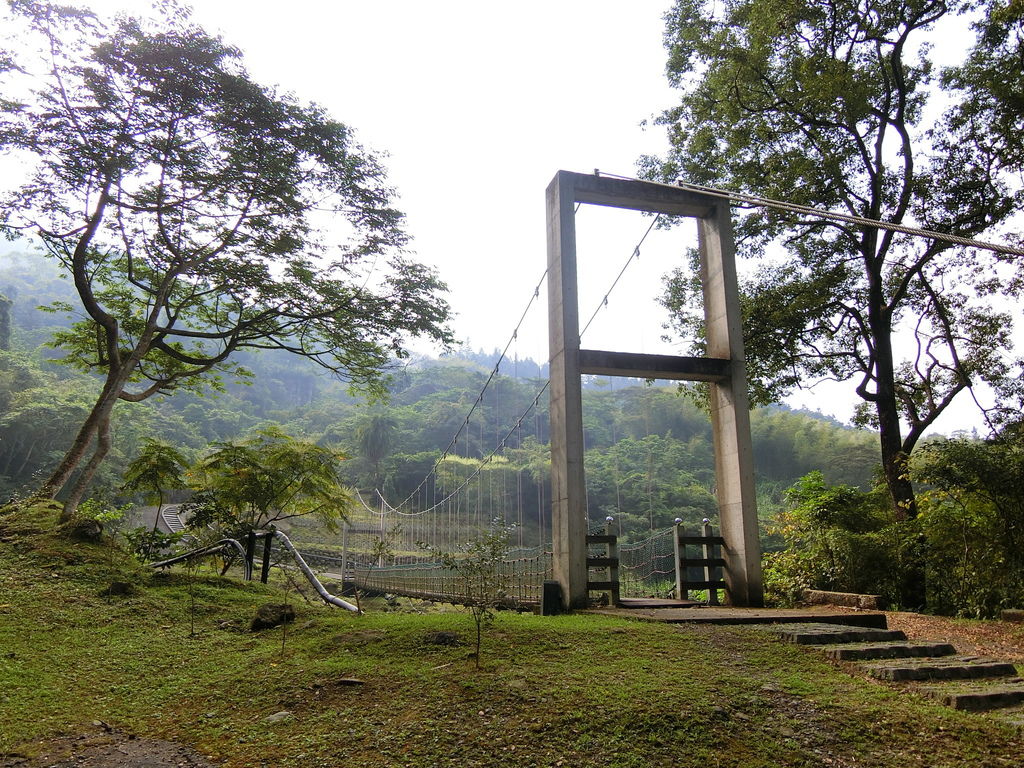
pixel 583 690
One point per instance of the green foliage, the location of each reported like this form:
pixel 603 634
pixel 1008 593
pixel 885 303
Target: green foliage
pixel 973 518
pixel 964 553
pixel 143 543
pixel 833 104
pixel 838 538
pixel 185 200
pixel 5 323
pixel 159 467
pixel 269 477
pixel 482 580
pixel 649 449
pixel 101 512
pixel 991 83
pixel 646 483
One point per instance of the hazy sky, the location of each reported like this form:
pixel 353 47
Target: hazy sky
pixel 477 105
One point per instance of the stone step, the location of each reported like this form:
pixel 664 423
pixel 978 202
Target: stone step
pixel 1013 714
pixel 999 695
pixel 173 521
pixel 868 651
pixel 835 634
pixel 951 668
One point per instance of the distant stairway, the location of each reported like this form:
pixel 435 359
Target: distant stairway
pixel 931 669
pixel 172 519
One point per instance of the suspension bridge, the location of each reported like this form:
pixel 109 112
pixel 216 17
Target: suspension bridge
pixel 564 552
pixel 561 550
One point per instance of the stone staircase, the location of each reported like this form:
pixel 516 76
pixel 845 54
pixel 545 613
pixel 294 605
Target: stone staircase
pixel 172 519
pixel 930 669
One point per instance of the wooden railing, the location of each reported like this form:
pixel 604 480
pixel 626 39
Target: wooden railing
pixel 710 563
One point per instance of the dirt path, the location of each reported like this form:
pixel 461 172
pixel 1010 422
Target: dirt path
pixel 106 747
pixel 997 639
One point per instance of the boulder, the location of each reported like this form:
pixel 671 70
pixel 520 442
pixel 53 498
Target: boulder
pixel 119 589
pixel 278 717
pixel 271 615
pixel 443 638
pixel 84 529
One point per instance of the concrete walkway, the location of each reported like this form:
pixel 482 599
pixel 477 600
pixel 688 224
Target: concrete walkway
pixel 699 614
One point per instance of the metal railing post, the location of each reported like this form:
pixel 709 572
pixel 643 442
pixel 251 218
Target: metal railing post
pixel 268 542
pixel 250 553
pixel 344 553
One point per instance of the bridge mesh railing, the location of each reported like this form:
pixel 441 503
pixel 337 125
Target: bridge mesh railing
pixel 522 575
pixel 647 567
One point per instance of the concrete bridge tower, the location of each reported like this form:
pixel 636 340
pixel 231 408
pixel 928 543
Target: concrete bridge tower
pixel 724 369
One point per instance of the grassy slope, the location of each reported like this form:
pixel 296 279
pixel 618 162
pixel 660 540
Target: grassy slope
pixel 582 690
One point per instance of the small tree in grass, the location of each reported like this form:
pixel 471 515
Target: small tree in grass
pixel 480 578
pixel 266 478
pixel 158 468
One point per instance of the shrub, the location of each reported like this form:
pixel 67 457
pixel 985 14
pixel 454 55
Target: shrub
pixel 837 538
pixel 972 516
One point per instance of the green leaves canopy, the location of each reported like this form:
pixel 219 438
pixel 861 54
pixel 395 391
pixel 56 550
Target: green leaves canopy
pixel 199 213
pixel 267 478
pixel 828 104
pixel 190 205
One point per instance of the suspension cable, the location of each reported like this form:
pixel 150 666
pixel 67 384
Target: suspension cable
pixel 388 508
pixel 767 202
pixel 534 296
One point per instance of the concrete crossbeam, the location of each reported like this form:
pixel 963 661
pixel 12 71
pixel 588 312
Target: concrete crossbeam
pixel 642 366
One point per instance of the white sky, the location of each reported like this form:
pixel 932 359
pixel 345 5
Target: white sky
pixel 478 104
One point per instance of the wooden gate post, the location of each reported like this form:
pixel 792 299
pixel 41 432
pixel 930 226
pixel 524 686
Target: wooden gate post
pixel 677 531
pixel 611 529
pixel 707 552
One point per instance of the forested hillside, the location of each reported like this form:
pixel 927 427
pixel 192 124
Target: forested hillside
pixel 649 452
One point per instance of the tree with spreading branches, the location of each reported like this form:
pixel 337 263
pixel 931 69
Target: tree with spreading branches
pixel 250 484
pixel 197 213
pixel 836 104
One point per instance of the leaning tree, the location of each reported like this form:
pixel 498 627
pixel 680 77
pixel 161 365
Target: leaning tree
pixel 197 213
pixel 835 104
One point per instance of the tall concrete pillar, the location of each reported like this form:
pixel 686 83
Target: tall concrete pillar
pixel 568 492
pixel 730 410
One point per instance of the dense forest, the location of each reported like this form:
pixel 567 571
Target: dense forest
pixel 649 454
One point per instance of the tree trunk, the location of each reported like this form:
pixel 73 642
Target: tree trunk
pixel 99 414
pixel 894 460
pixel 894 467
pixel 25 458
pixel 85 479
pixel 60 476
pixel 156 523
pixel 889 431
